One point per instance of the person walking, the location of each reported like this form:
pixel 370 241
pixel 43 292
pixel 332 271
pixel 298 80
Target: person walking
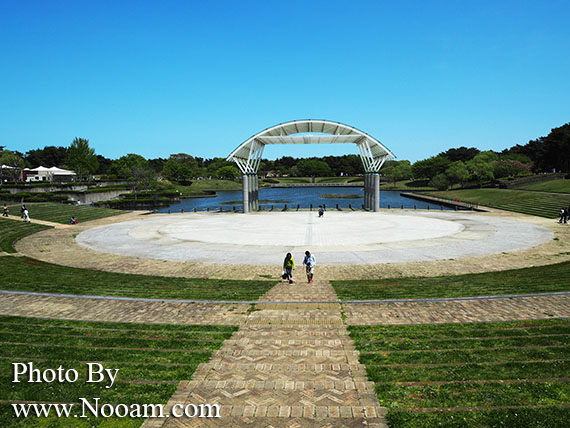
pixel 27 216
pixel 288 266
pixel 562 215
pixel 309 263
pixel 5 211
pixel 23 209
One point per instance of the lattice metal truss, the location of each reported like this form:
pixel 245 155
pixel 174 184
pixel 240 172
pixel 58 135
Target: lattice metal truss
pixel 310 131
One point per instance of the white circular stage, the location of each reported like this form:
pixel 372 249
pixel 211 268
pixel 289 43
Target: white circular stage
pixel 339 238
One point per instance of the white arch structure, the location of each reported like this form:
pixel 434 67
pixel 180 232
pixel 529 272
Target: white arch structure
pixel 372 152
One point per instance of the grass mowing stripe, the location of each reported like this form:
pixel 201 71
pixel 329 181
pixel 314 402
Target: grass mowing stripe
pixel 482 382
pixel 467 371
pixel 537 279
pixel 512 417
pixel 98 354
pixel 371 336
pixel 150 342
pixel 124 337
pixel 462 356
pixel 116 363
pixel 466 327
pixel 122 348
pixel 465 395
pixel 176 333
pixel 426 345
pixel 126 326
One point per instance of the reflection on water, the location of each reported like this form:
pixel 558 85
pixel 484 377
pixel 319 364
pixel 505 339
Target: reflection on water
pixel 303 196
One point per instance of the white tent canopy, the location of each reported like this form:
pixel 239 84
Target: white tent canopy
pixel 310 131
pixel 53 170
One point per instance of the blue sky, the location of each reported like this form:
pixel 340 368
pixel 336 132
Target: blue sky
pixel 200 77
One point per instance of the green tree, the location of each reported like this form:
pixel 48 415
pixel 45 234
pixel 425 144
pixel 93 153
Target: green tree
pixel 398 170
pixel 136 169
pixel 227 172
pixel 482 167
pixel 215 164
pixel 316 167
pixel 460 154
pixel 456 172
pixel 430 167
pixel 124 166
pixel 176 171
pixel 440 182
pixel 14 162
pixel 82 158
pixel 48 156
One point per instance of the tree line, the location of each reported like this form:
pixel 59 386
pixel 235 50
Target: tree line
pixel 454 166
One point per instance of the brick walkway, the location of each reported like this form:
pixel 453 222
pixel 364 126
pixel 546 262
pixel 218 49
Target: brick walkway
pixel 458 311
pixel 122 311
pixel 289 365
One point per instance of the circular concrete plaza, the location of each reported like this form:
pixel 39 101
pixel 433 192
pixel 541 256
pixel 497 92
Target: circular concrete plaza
pixel 339 238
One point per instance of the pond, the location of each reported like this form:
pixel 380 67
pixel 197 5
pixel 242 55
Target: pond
pixel 303 196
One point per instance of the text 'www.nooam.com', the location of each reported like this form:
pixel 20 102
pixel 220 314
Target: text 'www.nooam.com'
pixel 94 408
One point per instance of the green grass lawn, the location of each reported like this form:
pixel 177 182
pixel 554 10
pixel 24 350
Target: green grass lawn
pixel 151 359
pixel 557 186
pixel 405 186
pixel 12 230
pixel 510 374
pixel 61 213
pixel 540 279
pixel 25 274
pixel 200 187
pixel 539 204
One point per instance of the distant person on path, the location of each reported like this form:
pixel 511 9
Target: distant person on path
pixel 288 266
pixel 321 211
pixel 23 209
pixel 566 215
pixel 73 220
pixel 309 263
pixel 27 216
pixel 562 215
pixel 5 211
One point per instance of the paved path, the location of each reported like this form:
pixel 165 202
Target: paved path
pixel 44 222
pixel 289 365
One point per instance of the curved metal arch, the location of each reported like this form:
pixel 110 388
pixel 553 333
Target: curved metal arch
pixel 310 131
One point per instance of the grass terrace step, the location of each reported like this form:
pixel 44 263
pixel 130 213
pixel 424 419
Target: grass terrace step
pixel 61 213
pixel 25 274
pixel 539 279
pixel 511 374
pixel 148 370
pixel 526 202
pixel 12 230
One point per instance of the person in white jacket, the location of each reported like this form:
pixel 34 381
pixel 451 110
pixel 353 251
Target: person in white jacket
pixel 309 263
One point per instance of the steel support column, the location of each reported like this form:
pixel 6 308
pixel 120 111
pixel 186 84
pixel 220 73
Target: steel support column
pixel 245 193
pixel 376 191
